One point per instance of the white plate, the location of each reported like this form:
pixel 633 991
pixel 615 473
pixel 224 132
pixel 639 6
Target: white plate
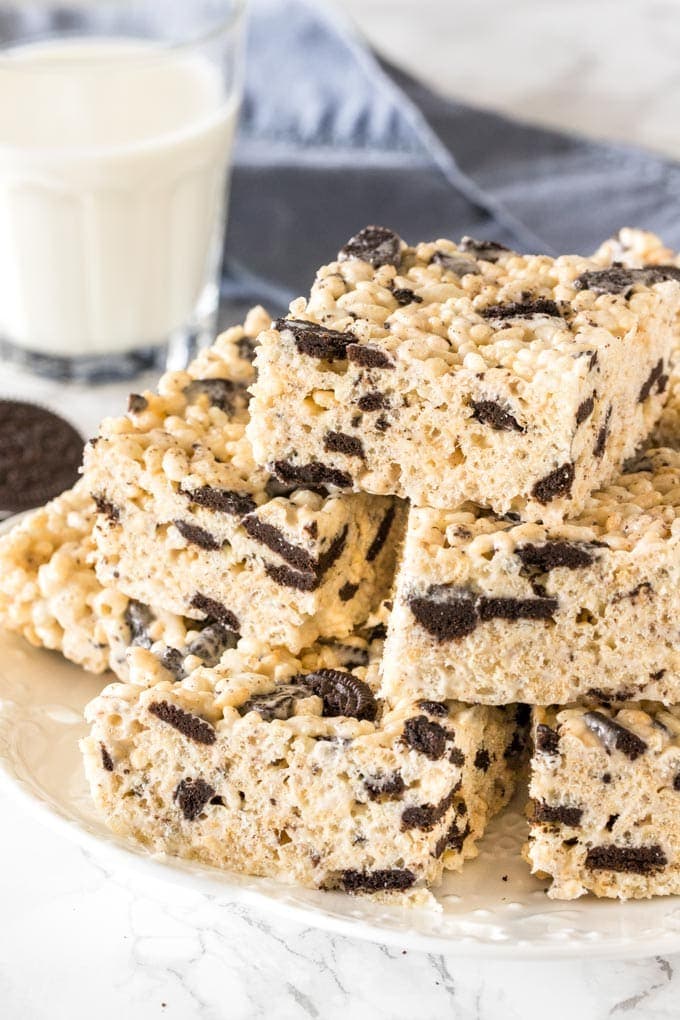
pixel 41 703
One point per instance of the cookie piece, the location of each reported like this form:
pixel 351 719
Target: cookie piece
pixel 40 455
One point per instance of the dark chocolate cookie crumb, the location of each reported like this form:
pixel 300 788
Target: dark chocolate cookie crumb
pixel 554 554
pixel 316 341
pixel 308 579
pixel 453 839
pixel 557 483
pixel 585 409
pixel 406 296
pixel 425 736
pixel 340 442
pixel 676 782
pixel 314 474
pixel 106 507
pixel 190 726
pixel 347 591
pixel 381 535
pixel 192 795
pixel 214 610
pixel 558 813
pixel 456 757
pixel 490 412
pixel 377 633
pixel 107 760
pixel 547 740
pixel 225 501
pixel 343 694
pixel 482 760
pixel 274 539
pixel 611 822
pixel 489 251
pixel 379 246
pixel 350 656
pixel 224 394
pixel 602 435
pixel 212 642
pixel 438 708
pixel 632 860
pixel 385 786
pixel 653 379
pixel 172 659
pixel 40 455
pixel 197 536
pixel 621 280
pixel 446 619
pixel 276 704
pixel 383 880
pixel 521 309
pixel 247 347
pixel 138 618
pixel 373 401
pixel 368 356
pixel 517 609
pixel 454 263
pixel 426 816
pixel 137 403
pixel 614 736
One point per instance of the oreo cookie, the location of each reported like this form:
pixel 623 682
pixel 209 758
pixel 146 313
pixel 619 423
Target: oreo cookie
pixel 40 455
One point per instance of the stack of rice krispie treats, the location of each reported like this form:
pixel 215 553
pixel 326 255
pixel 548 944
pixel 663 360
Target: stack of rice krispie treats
pixel 512 399
pixel 351 561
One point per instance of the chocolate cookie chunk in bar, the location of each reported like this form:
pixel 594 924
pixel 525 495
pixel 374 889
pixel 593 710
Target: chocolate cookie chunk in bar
pixel 496 610
pixel 295 768
pixel 445 373
pixel 605 789
pixel 188 522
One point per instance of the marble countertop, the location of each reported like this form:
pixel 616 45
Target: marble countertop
pixel 79 941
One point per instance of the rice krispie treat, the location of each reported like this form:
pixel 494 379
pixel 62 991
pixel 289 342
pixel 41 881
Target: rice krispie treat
pixel 292 768
pixel 637 249
pixel 49 593
pixel 446 372
pixel 188 522
pixel 605 788
pixel 494 610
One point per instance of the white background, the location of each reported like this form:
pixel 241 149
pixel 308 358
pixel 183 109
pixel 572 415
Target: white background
pixel 79 942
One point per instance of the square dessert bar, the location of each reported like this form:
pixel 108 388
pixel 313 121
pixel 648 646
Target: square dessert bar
pixel 294 769
pixel 50 594
pixel 495 610
pixel 605 788
pixel 639 249
pixel 190 524
pixel 447 373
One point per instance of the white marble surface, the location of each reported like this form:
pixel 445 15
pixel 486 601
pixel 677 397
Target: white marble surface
pixel 77 941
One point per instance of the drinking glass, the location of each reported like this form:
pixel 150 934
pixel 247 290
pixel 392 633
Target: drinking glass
pixel 116 124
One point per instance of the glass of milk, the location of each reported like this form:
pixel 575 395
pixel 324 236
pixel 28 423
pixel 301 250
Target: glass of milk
pixel 116 124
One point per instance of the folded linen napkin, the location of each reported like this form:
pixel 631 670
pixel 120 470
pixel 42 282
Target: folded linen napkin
pixel 332 138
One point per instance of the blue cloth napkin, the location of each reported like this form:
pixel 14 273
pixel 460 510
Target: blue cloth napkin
pixel 332 139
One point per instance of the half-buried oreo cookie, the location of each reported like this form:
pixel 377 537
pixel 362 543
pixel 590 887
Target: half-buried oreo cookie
pixel 40 455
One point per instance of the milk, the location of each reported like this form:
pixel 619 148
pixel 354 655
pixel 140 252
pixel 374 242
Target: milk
pixel 113 156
